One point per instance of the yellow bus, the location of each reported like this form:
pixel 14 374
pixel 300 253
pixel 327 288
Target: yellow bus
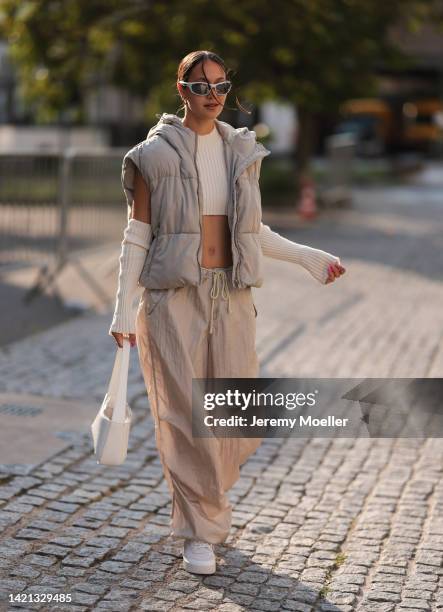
pixel 371 121
pixel 423 121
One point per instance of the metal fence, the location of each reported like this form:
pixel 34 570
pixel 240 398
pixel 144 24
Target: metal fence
pixel 54 207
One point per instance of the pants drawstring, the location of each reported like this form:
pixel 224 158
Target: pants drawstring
pixel 217 277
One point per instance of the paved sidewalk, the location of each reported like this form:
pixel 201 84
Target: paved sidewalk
pixel 322 524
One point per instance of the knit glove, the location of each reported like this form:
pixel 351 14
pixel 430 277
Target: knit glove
pixel 137 238
pixel 315 261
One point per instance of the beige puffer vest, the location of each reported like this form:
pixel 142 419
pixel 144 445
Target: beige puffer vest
pixel 166 160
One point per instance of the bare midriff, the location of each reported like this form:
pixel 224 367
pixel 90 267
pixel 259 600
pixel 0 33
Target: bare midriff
pixel 216 242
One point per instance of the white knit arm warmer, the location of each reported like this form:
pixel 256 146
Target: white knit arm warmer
pixel 315 261
pixel 137 238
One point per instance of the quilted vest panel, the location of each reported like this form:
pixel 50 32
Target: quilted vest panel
pixel 166 160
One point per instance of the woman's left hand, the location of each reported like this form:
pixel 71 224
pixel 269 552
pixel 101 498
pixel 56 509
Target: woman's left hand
pixel 334 271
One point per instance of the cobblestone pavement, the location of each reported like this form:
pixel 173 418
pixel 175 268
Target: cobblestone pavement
pixel 320 524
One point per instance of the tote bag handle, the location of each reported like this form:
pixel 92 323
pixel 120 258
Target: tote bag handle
pixel 119 382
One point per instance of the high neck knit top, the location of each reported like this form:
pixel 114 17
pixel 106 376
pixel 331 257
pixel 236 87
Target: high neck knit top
pixel 212 173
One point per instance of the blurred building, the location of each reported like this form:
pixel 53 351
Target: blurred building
pixel 281 120
pixel 10 108
pixel 407 112
pixel 105 107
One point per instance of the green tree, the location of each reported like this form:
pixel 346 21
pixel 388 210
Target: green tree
pixel 313 53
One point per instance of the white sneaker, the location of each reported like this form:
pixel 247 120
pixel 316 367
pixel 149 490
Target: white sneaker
pixel 198 557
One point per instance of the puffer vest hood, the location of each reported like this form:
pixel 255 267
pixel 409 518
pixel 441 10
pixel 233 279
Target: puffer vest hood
pixel 167 162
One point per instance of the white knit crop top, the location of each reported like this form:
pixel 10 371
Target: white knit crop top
pixel 212 173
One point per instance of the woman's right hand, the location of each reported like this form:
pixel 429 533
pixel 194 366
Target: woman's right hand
pixel 119 338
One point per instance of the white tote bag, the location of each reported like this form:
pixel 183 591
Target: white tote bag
pixel 110 428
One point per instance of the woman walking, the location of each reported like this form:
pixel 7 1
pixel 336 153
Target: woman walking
pixel 195 243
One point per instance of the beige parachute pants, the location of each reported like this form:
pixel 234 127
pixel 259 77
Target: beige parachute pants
pixel 204 331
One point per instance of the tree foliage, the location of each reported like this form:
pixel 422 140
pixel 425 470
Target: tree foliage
pixel 314 53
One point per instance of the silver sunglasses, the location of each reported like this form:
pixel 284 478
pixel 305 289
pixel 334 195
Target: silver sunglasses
pixel 201 88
